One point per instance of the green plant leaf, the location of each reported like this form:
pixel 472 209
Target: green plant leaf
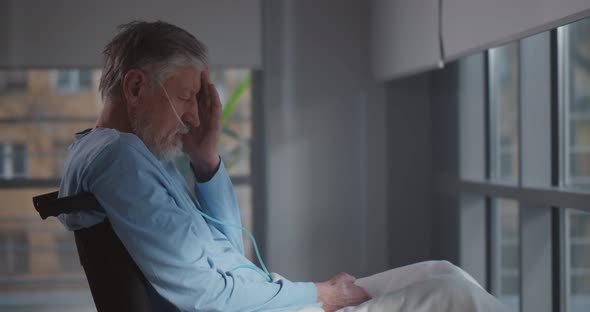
pixel 233 100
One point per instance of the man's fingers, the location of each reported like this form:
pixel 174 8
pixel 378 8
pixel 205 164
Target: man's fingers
pixel 345 276
pixel 204 92
pixel 207 87
pixel 215 101
pixel 202 96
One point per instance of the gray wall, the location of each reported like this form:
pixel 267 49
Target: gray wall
pixel 325 141
pixel 352 164
pixel 445 162
pixel 422 148
pixel 409 170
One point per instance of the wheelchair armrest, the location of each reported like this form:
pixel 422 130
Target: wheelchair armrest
pixel 49 205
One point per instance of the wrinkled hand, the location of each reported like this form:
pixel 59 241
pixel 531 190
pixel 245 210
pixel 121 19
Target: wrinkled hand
pixel 200 144
pixel 339 292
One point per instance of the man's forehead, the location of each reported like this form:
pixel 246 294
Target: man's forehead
pixel 187 77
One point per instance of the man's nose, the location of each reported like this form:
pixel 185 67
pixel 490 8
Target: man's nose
pixel 192 117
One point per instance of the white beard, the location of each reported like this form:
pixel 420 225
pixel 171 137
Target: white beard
pixel 164 146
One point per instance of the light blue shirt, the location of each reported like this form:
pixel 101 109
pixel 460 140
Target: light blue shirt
pixel 186 259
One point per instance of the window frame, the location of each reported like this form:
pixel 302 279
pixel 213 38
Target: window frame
pixel 543 226
pixel 8 161
pixel 7 85
pixel 73 78
pixel 9 248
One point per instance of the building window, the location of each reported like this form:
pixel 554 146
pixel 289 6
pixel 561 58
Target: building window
pixel 575 158
pixel 506 261
pixel 73 80
pixel 577 260
pixel 13 160
pixel 13 81
pixel 504 102
pixel 14 253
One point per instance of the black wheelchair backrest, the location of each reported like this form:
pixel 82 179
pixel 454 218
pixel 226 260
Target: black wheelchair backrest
pixel 116 282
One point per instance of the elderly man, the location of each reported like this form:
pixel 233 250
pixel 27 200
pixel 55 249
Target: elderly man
pixel 159 103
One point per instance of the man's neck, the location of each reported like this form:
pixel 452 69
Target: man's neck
pixel 114 115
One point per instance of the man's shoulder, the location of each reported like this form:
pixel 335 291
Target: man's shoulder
pixel 106 142
pixel 102 147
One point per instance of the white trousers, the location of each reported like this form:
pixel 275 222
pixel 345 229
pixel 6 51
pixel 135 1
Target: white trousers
pixel 423 287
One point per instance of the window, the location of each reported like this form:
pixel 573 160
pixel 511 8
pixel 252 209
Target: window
pixel 45 121
pixel 577 256
pixel 14 253
pixel 536 168
pixel 73 80
pixel 14 81
pixel 13 160
pixel 576 101
pixel 506 263
pixel 504 102
pixel 575 136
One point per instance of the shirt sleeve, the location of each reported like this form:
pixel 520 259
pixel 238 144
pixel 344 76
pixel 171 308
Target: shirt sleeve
pixel 218 200
pixel 167 244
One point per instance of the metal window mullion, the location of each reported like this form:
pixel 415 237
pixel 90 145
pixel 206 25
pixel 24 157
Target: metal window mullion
pixel 550 197
pixel 488 172
pixel 491 118
pixel 489 149
pixel 25 172
pixel 3 164
pixel 523 298
pixel 557 218
pixel 75 80
pixel 8 161
pixel 522 225
pixel 563 107
pixel 519 139
pixel 494 253
pixel 563 173
pixel 472 141
pixel 535 171
pixel 566 257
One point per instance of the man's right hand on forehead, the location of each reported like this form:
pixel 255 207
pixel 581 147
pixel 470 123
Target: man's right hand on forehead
pixel 200 144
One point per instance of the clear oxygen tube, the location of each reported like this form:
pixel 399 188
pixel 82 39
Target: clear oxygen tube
pixel 186 127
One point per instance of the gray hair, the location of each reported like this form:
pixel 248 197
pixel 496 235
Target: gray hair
pixel 157 48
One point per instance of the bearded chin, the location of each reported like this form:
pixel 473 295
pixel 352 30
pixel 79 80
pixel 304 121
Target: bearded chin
pixel 164 146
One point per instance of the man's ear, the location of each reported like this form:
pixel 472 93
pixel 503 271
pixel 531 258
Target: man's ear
pixel 133 83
